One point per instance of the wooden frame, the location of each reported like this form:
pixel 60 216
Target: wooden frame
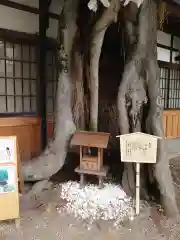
pixel 15 37
pixel 92 165
pixel 26 8
pixel 9 201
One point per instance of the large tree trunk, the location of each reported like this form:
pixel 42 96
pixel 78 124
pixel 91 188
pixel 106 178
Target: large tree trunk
pixel 53 158
pixel 139 92
pixel 78 97
pixel 138 100
pixel 109 15
pixel 161 170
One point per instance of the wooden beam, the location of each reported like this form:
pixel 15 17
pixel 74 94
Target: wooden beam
pixel 167 47
pixel 43 25
pixel 22 37
pixel 26 8
pixel 163 64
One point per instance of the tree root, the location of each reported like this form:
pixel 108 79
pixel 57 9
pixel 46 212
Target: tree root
pixel 139 84
pixel 144 64
pixel 53 159
pixel 161 169
pixel 38 188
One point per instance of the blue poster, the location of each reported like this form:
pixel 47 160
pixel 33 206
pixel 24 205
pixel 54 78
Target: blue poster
pixel 7 179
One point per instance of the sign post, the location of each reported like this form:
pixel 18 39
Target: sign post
pixel 138 148
pixel 137 188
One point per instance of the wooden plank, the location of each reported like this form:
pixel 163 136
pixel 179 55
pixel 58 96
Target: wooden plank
pixel 138 148
pixel 171 119
pixel 103 171
pixel 18 121
pixel 87 165
pixel 90 139
pixel 26 8
pixel 81 154
pixel 9 206
pixel 89 158
pixel 29 144
pixel 99 158
pixel 25 38
pixel 169 126
pixel 163 64
pixel 19 170
pixel 102 156
pixel 174 125
pixel 178 126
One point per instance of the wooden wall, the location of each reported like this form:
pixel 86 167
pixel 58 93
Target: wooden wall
pixel 172 123
pixel 27 130
pixel 171 119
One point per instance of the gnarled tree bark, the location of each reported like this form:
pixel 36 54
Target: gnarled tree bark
pixel 139 90
pixel 78 97
pixel 138 100
pixel 53 158
pixel 109 15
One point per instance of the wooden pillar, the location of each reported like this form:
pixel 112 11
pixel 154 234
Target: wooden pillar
pixel 43 25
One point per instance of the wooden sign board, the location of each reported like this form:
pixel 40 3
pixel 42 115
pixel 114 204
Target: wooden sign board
pixel 9 195
pixel 138 148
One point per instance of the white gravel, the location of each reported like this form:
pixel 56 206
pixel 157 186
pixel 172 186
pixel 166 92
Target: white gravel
pixel 92 203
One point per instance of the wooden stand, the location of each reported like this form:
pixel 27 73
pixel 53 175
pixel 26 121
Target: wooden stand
pixel 138 148
pixel 92 165
pixel 20 177
pixel 9 201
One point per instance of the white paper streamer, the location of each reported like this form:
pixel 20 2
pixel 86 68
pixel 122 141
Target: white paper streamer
pixel 138 2
pixel 93 4
pixel 92 203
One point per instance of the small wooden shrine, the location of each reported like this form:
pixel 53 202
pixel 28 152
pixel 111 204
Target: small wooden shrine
pixel 90 164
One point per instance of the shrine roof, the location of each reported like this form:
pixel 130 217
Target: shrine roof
pixel 90 139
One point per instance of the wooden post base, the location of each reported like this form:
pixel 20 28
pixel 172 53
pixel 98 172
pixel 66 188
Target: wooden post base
pixel 101 180
pixel 100 174
pixel 81 180
pixel 18 223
